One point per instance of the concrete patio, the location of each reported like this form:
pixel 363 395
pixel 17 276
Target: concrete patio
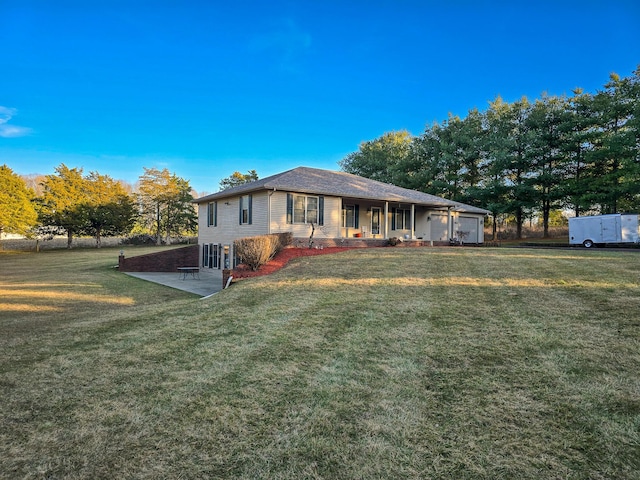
pixel 205 283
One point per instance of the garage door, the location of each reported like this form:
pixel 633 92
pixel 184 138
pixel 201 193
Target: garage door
pixel 468 226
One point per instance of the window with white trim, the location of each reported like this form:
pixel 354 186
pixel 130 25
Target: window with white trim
pixel 305 209
pixel 212 214
pixel 245 209
pixel 350 216
pixel 400 219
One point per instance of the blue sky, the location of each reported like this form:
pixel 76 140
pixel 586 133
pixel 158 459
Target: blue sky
pixel 206 88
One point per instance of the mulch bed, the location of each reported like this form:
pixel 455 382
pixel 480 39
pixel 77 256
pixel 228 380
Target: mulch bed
pixel 282 258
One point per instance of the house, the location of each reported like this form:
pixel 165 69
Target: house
pixel 338 206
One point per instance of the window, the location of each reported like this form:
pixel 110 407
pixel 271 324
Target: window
pixel 305 209
pixel 211 255
pixel 375 220
pixel 215 260
pixel 299 209
pixel 400 219
pixel 245 209
pixel 312 210
pixel 205 255
pixel 350 215
pixel 212 214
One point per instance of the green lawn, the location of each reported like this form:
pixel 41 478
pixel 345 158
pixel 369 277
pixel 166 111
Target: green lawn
pixel 373 363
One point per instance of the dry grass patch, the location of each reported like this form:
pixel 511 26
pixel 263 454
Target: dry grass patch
pixel 393 363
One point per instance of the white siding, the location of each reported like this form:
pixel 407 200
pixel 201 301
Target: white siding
pixel 269 215
pixel 439 229
pixel 228 227
pixel 279 212
pixel 332 218
pixel 422 225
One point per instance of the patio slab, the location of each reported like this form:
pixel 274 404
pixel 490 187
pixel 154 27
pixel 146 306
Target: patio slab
pixel 204 284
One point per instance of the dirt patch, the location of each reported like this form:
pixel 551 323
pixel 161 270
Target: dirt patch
pixel 282 258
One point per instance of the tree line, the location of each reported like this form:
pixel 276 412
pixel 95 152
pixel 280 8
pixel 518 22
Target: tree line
pixel 523 159
pixel 72 203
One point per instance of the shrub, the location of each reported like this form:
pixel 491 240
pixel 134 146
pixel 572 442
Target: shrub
pixel 256 251
pixel 140 239
pixel 285 239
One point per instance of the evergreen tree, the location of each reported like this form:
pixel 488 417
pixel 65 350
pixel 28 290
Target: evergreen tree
pixel 613 159
pixel 492 191
pixel 238 178
pixel 472 141
pixel 576 129
pixel 108 210
pixel 509 140
pixel 181 212
pixel 95 204
pixel 166 204
pixel 63 193
pixel 17 213
pixel 545 155
pixel 628 93
pixel 521 158
pixel 381 158
pixel 449 161
pixel 420 168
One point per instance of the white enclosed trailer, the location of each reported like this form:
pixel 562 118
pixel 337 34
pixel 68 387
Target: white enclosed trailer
pixel 615 228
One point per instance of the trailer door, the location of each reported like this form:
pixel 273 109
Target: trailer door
pixel 629 231
pixel 610 229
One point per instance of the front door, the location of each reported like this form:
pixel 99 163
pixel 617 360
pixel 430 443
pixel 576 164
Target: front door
pixel 375 220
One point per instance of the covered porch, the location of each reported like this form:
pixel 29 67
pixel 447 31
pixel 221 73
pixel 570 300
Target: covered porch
pixel 383 220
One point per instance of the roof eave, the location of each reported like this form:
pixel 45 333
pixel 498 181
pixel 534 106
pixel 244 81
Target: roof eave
pixel 445 205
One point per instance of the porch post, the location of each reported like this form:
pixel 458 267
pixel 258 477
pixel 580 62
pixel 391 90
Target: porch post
pixel 449 224
pixel 341 227
pixel 386 220
pixel 413 221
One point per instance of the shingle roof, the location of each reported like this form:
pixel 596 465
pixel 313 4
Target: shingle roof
pixel 340 184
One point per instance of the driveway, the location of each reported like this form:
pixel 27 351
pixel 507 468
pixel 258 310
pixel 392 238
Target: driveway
pixel 206 283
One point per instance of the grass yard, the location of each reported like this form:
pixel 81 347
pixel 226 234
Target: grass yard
pixel 372 363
